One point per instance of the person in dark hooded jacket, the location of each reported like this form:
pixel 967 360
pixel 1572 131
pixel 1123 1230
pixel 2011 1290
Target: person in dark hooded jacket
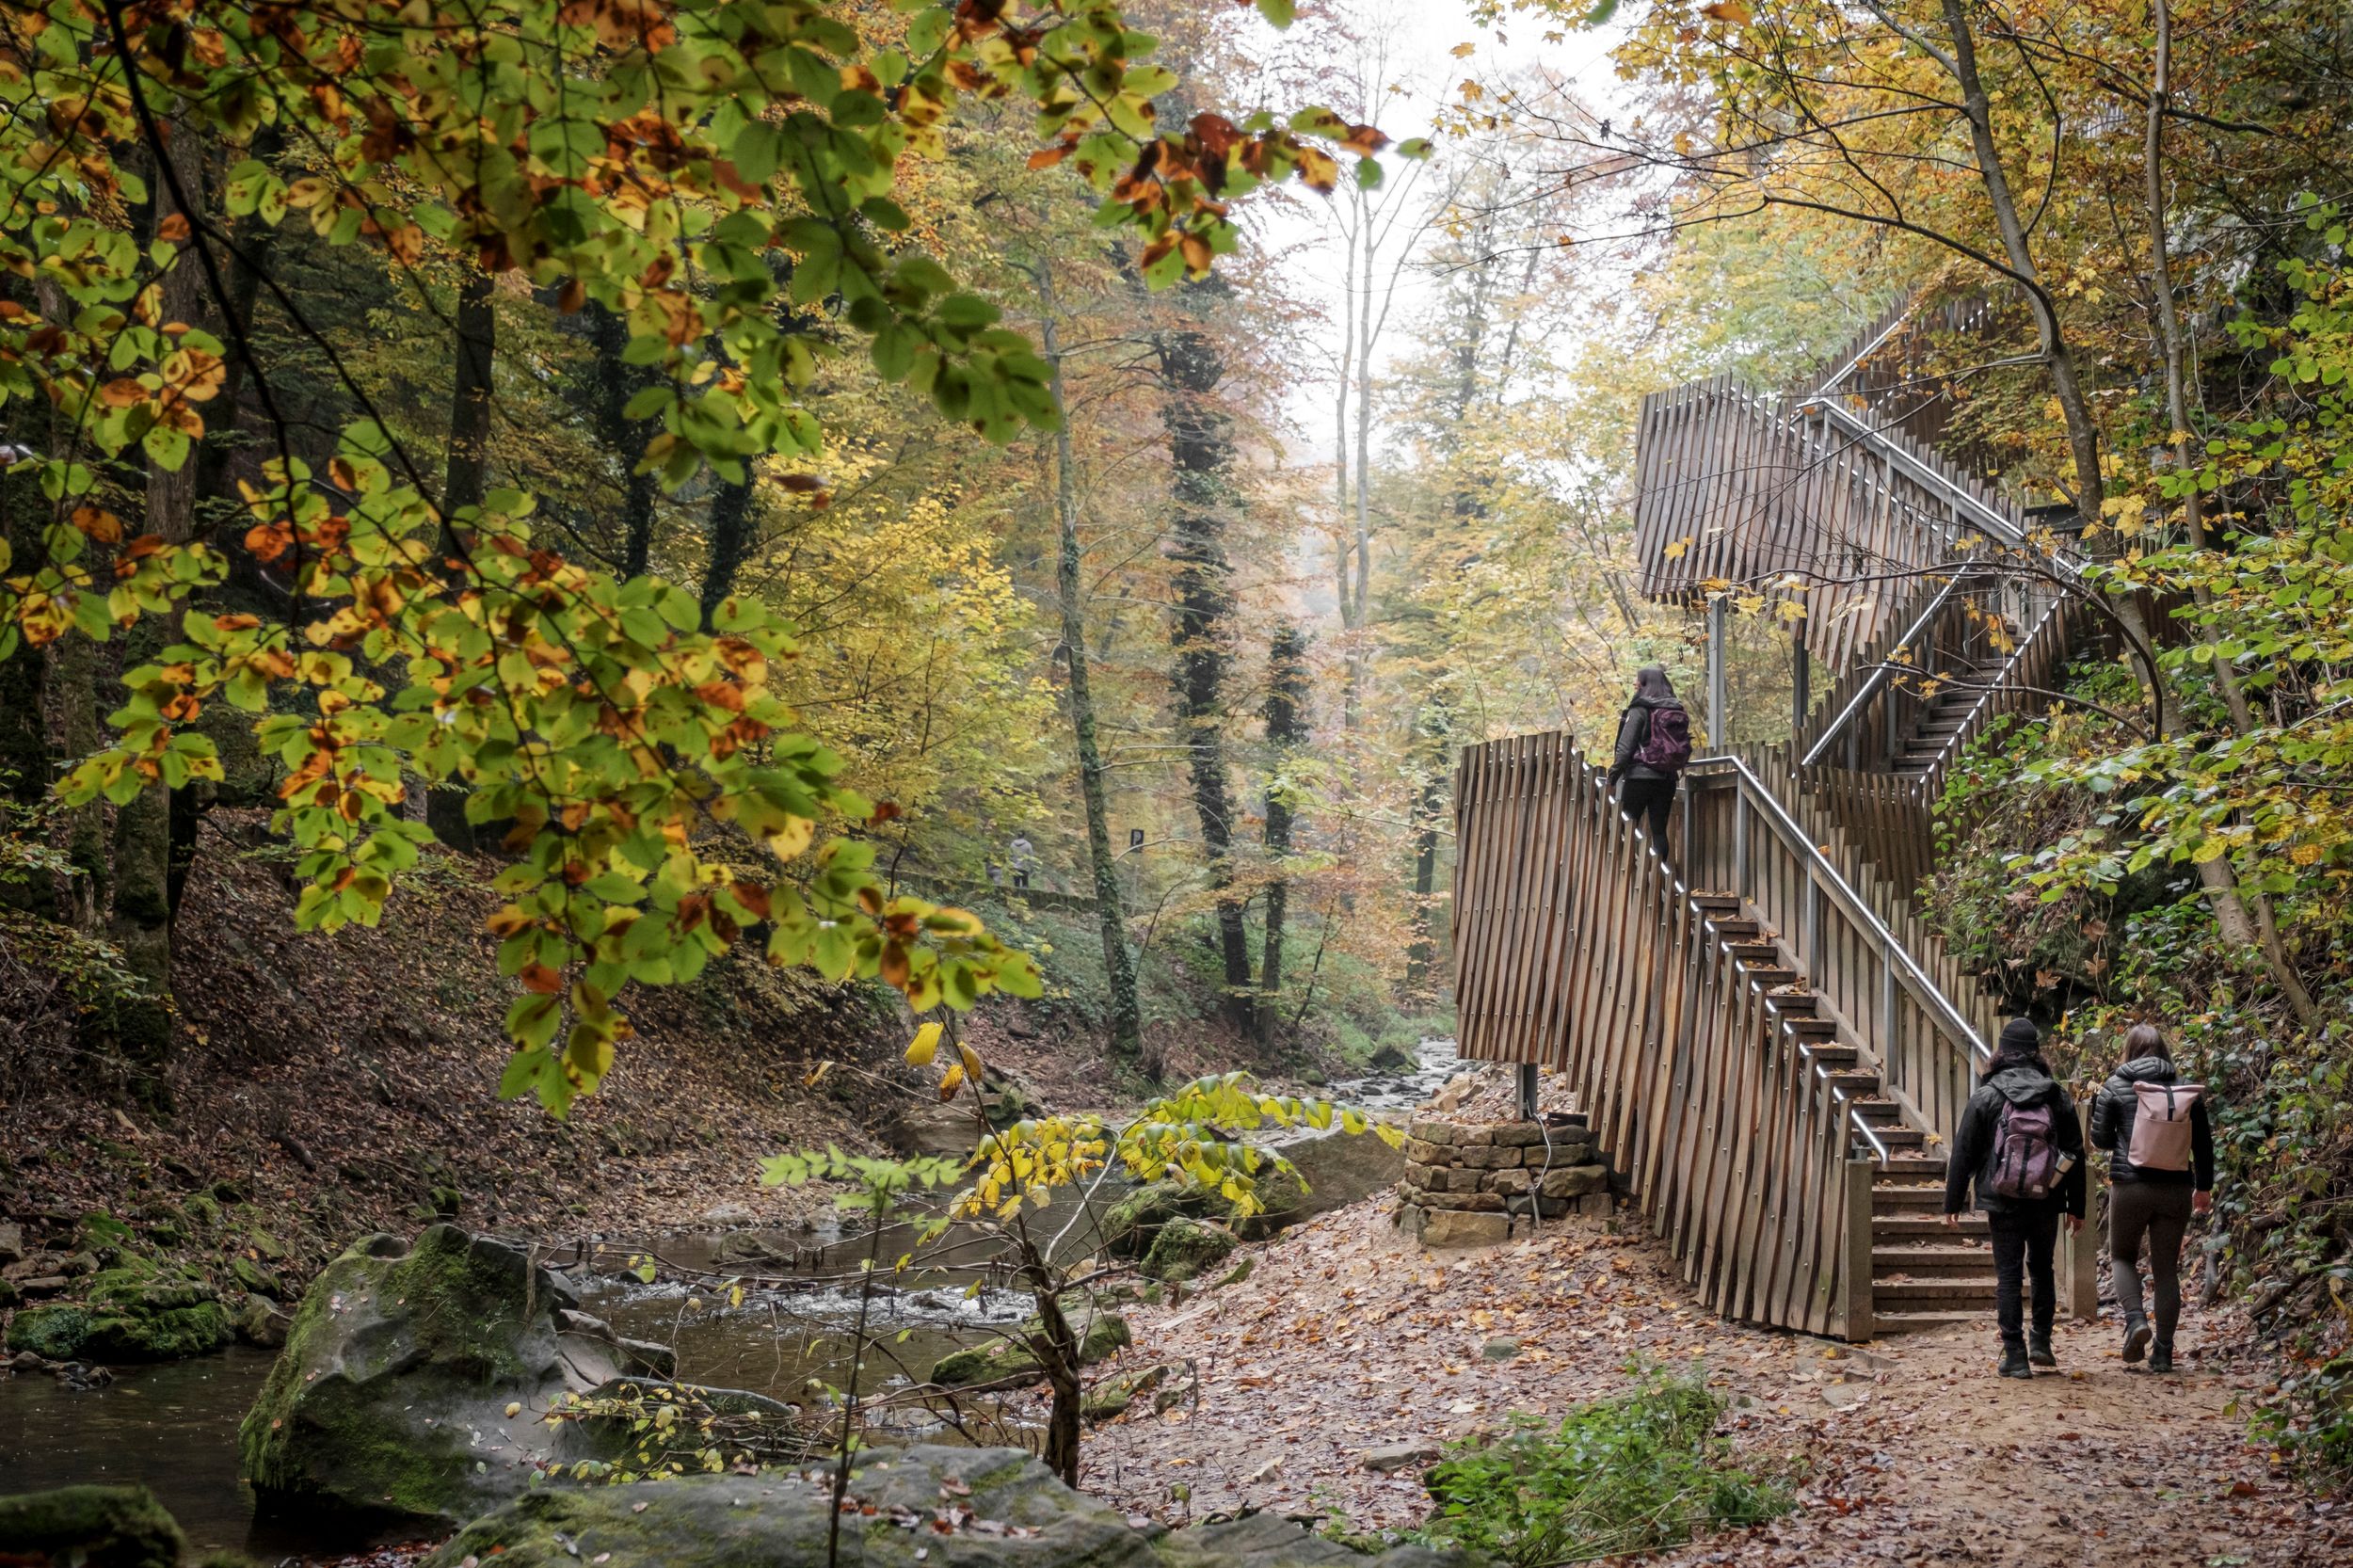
pixel 2024 1230
pixel 1648 791
pixel 2148 1203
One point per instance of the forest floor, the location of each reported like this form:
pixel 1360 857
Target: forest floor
pixel 345 1083
pixel 1348 1338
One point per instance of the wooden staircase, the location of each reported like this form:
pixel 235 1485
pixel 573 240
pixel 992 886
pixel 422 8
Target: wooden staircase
pixel 1934 734
pixel 1924 1273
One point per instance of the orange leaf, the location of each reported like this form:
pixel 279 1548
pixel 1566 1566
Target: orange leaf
pixel 540 978
pixel 173 229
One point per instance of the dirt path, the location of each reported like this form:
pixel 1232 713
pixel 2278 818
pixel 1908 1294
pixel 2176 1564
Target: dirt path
pixel 1348 1340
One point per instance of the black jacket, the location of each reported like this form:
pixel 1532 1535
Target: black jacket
pixel 1970 1158
pixel 1633 729
pixel 2117 1107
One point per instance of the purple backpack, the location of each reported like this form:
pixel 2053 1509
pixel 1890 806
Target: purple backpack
pixel 1668 746
pixel 2025 1153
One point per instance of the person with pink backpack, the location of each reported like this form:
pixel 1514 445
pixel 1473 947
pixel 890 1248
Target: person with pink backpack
pixel 2160 1144
pixel 2019 1145
pixel 1653 747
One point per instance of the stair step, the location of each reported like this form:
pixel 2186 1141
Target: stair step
pixel 1755 952
pixel 1793 1004
pixel 1911 1170
pixel 1924 1226
pixel 1916 1323
pixel 1879 1113
pixel 1918 1261
pixel 1716 901
pixel 1828 1052
pixel 1922 1198
pixel 1956 1291
pixel 1824 1027
pixel 1857 1081
pixel 1733 930
pixel 1769 976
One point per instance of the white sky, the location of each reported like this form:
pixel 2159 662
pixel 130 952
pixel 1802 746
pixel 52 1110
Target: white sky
pixel 1427 74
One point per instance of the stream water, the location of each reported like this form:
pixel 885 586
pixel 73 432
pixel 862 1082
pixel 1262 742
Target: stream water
pixel 172 1428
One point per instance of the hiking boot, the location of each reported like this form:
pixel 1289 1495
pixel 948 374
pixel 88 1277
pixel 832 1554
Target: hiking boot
pixel 2014 1363
pixel 2161 1359
pixel 2135 1338
pixel 2038 1349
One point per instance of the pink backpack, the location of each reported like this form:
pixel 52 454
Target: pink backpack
pixel 2161 1124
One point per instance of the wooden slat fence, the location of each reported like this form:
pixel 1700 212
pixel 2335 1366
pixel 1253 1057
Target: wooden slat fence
pixel 1735 487
pixel 1579 947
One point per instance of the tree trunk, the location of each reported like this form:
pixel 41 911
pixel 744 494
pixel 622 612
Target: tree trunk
pixel 465 477
pixel 2265 933
pixel 467 472
pixel 1432 733
pixel 730 544
pixel 2215 876
pixel 1119 964
pixel 139 922
pixel 1286 732
pixel 617 381
pixel 1201 454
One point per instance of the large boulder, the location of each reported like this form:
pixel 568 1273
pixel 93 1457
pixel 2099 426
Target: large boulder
pixel 401 1366
pixel 1336 1169
pixel 936 1506
pixel 1185 1249
pixel 92 1527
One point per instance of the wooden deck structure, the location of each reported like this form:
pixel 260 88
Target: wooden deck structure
pixel 1768 1041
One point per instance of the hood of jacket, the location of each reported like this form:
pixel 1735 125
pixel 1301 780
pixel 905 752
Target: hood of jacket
pixel 1656 702
pixel 2144 1069
pixel 2022 1086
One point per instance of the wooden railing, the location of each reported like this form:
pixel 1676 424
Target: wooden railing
pixel 1580 948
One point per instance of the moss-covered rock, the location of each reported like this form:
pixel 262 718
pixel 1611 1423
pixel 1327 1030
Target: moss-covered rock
pixel 1101 1335
pixel 1133 1223
pixel 1186 1248
pixel 255 1279
pixel 784 1517
pixel 171 1334
pixel 94 1527
pixel 391 1392
pixel 56 1332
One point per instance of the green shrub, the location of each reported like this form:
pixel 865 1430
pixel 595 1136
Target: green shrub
pixel 1633 1474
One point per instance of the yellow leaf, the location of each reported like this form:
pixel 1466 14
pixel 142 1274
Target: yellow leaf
pixel 926 1042
pixel 952 1081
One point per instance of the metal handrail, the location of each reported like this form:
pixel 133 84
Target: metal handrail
pixel 1879 676
pixel 1845 1102
pixel 1986 695
pixel 1793 837
pixel 1595 781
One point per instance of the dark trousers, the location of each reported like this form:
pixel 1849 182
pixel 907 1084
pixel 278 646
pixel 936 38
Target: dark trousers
pixel 2024 1240
pixel 2158 1211
pixel 1648 800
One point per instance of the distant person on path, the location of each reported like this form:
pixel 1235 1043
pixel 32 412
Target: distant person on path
pixel 2018 1143
pixel 2160 1146
pixel 1023 857
pixel 1653 744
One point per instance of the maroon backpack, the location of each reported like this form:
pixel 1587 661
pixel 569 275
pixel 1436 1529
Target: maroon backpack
pixel 1668 746
pixel 2025 1152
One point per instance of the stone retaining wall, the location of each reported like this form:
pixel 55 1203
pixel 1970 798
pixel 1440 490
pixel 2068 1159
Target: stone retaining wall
pixel 1477 1184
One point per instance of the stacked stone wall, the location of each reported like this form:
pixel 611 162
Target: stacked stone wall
pixel 1474 1184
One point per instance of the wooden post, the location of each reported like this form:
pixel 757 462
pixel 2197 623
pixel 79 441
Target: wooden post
pixel 1855 1323
pixel 1528 1091
pixel 1719 723
pixel 1801 683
